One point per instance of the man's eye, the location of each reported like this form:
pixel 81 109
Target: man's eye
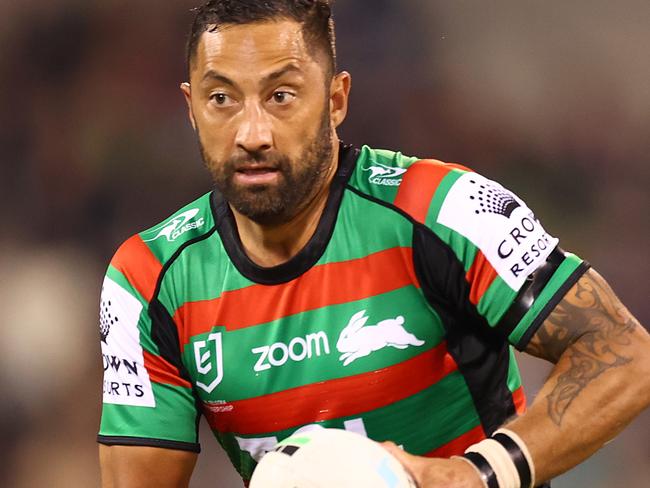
pixel 221 99
pixel 283 98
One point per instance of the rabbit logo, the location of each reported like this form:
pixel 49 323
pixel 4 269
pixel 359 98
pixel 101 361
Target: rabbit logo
pixel 358 340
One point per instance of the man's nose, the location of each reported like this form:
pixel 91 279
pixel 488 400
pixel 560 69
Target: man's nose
pixel 254 133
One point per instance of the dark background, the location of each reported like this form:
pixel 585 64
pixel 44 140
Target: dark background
pixel 550 98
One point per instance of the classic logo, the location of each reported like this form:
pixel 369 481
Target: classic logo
pixel 178 226
pixel 385 175
pixel 358 339
pixel 209 361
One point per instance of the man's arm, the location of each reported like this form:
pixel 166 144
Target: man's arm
pixel 601 381
pixel 145 467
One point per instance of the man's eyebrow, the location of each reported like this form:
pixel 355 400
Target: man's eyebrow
pixel 214 75
pixel 291 67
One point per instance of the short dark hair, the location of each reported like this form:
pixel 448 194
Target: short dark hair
pixel 315 16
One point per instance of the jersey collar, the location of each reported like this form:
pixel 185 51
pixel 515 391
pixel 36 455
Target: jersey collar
pixel 308 255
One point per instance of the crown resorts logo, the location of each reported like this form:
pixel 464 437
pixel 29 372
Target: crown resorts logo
pixel 107 318
pixel 494 200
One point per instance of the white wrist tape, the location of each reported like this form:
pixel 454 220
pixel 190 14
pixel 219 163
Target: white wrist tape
pixel 499 459
pixel 524 449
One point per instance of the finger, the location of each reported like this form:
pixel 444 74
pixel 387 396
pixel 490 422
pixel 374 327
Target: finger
pixel 409 462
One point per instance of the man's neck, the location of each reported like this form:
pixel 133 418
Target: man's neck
pixel 272 245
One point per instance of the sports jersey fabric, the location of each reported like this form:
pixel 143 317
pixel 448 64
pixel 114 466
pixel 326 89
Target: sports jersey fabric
pixel 397 320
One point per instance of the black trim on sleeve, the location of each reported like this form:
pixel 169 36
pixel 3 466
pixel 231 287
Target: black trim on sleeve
pixel 552 303
pixel 163 329
pixel 482 356
pixel 110 440
pixel 164 332
pixel 529 292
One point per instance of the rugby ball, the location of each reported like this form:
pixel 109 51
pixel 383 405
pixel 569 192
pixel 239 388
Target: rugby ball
pixel 328 458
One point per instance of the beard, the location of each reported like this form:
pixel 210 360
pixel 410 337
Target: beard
pixel 298 180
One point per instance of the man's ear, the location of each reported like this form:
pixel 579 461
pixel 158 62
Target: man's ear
pixel 339 95
pixel 187 93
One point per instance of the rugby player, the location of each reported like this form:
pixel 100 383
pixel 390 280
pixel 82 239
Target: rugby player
pixel 344 286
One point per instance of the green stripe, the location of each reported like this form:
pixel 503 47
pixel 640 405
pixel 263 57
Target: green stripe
pixel 568 266
pixel 381 228
pixel 464 249
pixel 295 440
pixel 427 420
pixel 173 418
pixel 421 423
pixel 514 377
pixel 496 301
pixel 316 332
pixel 202 273
pixel 441 193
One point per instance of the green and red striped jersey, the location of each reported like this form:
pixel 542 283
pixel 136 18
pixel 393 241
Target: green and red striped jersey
pixel 397 320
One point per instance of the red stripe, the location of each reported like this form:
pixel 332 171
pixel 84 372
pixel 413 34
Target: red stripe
pixel 332 399
pixel 419 185
pixel 480 276
pixel 459 444
pixel 163 372
pixel 519 398
pixel 139 266
pixel 321 286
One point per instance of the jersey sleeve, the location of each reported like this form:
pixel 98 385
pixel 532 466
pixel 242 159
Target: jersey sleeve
pixel 506 268
pixel 147 401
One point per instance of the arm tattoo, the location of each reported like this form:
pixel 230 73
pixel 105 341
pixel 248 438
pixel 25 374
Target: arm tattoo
pixel 591 328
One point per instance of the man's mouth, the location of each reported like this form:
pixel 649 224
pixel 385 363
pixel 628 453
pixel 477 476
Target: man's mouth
pixel 256 174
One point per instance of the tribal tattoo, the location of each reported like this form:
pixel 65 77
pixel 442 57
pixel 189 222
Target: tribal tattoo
pixel 591 327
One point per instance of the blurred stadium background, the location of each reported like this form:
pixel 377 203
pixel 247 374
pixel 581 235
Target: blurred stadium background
pixel 551 98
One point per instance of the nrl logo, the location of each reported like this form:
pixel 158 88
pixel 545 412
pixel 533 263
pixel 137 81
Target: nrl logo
pixel 385 175
pixel 178 226
pixel 208 356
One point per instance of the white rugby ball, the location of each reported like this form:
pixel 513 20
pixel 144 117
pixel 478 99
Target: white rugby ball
pixel 329 458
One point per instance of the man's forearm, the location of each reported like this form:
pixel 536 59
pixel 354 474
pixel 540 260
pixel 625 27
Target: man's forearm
pixel 599 384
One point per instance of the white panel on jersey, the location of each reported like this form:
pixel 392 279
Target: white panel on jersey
pixel 126 381
pixel 499 224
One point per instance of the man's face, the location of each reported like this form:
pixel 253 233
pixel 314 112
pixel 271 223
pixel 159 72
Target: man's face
pixel 260 103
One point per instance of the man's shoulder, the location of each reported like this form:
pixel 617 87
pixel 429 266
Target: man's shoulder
pixel 188 223
pixel 409 183
pixel 146 253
